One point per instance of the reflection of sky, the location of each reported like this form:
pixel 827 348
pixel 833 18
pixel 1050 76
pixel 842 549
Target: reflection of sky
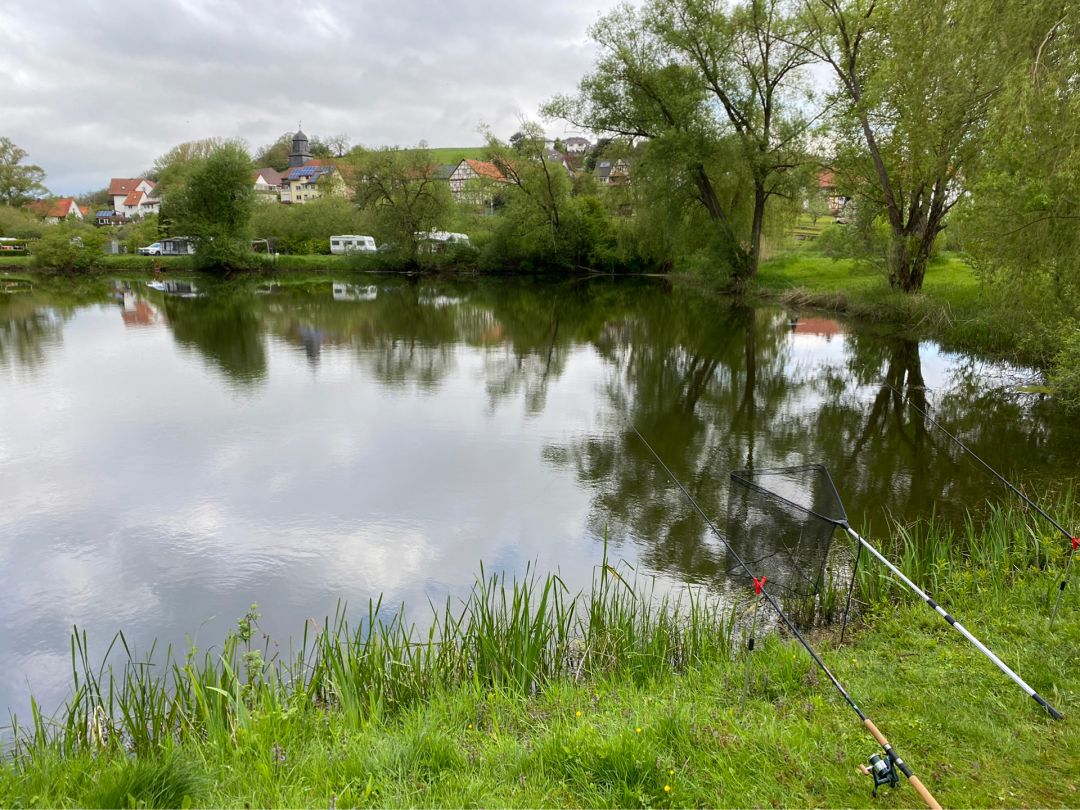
pixel 143 493
pixel 144 490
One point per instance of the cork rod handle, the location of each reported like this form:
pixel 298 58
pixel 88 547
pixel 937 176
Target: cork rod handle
pixel 920 788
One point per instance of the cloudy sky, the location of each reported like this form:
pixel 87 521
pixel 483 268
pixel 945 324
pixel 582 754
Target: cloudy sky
pixel 94 89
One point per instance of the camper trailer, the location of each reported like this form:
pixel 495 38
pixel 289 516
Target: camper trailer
pixel 349 243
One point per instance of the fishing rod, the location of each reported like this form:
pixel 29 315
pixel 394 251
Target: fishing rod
pixel 841 521
pixel 1074 541
pixel 883 770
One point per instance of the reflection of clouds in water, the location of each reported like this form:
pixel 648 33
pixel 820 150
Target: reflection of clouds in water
pixel 154 495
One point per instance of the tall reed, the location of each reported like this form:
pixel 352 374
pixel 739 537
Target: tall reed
pixel 514 634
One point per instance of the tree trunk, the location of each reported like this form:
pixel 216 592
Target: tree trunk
pixel 908 258
pixel 756 227
pixel 738 258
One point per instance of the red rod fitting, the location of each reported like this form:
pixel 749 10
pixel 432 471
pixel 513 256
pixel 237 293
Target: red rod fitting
pixel 758 583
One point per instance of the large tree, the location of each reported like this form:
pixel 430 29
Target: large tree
pixel 19 182
pixel 403 192
pixel 211 197
pixel 716 89
pixel 916 87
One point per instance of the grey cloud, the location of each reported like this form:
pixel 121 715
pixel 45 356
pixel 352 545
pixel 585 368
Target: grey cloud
pixel 94 90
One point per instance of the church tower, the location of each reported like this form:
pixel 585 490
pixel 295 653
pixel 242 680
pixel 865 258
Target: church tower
pixel 301 153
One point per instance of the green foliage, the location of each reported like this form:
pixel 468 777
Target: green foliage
pixel 140 233
pixel 19 182
pixel 20 223
pixel 170 781
pixel 697 79
pixel 1065 373
pixel 917 86
pixel 209 196
pixel 708 733
pixel 69 246
pixel 400 190
pixel 276 154
pixel 307 228
pixel 542 224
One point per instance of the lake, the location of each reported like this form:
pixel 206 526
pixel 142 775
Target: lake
pixel 169 456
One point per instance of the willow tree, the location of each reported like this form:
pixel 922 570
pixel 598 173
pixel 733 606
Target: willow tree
pixel 718 90
pixel 917 84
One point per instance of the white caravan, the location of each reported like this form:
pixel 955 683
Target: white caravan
pixel 350 243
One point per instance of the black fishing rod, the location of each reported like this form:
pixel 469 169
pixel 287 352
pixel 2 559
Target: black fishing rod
pixel 882 770
pixel 1074 542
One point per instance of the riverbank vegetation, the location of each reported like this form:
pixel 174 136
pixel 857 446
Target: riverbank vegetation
pixel 950 127
pixel 528 695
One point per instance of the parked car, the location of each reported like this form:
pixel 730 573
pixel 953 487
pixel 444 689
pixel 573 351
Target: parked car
pixel 151 250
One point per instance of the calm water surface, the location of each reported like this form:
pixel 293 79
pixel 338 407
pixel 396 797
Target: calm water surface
pixel 168 457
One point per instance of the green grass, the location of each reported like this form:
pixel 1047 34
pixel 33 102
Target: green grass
pixel 610 698
pixel 953 307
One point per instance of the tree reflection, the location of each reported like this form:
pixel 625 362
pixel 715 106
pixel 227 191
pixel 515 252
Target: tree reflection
pixel 223 327
pixel 27 331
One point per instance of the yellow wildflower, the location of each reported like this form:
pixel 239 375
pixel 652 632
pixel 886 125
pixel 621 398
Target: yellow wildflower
pixel 667 788
pixel 638 729
pixel 578 713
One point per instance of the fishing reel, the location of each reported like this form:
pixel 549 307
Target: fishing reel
pixel 881 769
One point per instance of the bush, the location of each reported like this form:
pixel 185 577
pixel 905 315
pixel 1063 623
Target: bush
pixel 1065 373
pixel 69 246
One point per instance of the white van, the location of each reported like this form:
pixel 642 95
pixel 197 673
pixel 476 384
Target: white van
pixel 350 243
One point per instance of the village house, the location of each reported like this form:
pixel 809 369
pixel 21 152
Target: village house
pixel 267 183
pixel 134 196
pixel 833 198
pixel 52 211
pixel 470 169
pixel 576 145
pixel 613 172
pixel 306 178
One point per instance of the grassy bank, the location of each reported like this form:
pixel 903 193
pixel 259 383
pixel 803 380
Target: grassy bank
pixel 529 696
pixel 954 307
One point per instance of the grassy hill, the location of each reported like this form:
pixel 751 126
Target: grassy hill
pixel 456 154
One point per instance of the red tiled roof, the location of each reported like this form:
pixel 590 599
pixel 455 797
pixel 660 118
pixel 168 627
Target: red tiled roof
pixel 485 169
pixel 85 209
pixel 134 198
pixel 123 185
pixel 58 208
pixel 826 179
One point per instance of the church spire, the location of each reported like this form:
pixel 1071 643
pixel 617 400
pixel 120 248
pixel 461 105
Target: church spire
pixel 301 151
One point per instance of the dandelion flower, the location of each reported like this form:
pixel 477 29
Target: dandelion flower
pixel 469 727
pixel 671 772
pixel 667 788
pixel 638 729
pixel 578 713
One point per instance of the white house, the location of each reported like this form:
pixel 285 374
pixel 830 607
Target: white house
pixel 134 196
pixel 55 210
pixel 267 183
pixel 576 145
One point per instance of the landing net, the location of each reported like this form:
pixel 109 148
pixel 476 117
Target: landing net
pixel 782 538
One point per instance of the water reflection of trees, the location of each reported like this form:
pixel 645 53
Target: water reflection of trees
pixel 224 329
pixel 32 320
pixel 27 330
